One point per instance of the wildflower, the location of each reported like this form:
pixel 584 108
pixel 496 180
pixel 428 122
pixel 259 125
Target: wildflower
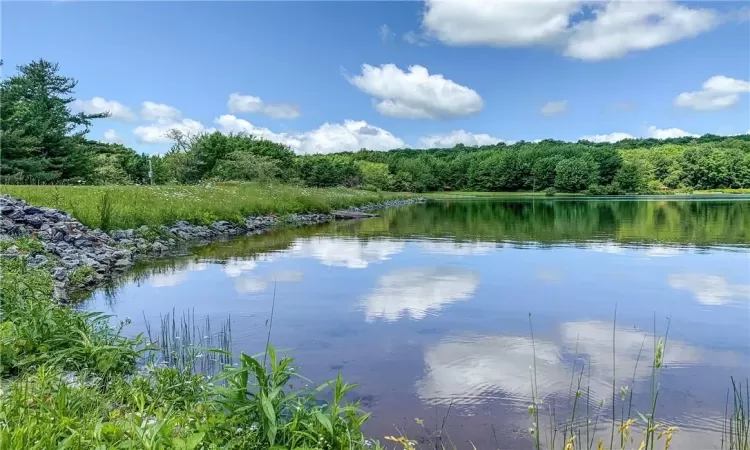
pixel 623 392
pixel 419 421
pixel 531 410
pixel 569 445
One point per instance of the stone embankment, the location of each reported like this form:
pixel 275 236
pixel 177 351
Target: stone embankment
pixel 79 257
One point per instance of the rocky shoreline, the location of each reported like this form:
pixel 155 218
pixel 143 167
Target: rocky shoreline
pixel 81 258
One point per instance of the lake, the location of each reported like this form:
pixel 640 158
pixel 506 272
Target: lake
pixel 429 308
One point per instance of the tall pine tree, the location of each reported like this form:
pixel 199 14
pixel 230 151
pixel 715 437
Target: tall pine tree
pixel 42 139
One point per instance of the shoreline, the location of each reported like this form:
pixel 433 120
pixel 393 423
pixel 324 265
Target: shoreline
pixel 81 258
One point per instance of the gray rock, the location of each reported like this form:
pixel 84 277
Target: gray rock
pixel 82 241
pixel 159 247
pixel 70 262
pixel 37 260
pixel 11 252
pixel 16 214
pixel 32 210
pixel 60 292
pixel 35 221
pixel 59 274
pixel 123 263
pixel 119 235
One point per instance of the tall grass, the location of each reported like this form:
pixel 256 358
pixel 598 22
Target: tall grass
pixel 122 207
pixel 602 428
pixel 736 432
pixel 190 345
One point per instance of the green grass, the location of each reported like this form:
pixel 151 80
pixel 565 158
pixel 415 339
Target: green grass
pixel 123 207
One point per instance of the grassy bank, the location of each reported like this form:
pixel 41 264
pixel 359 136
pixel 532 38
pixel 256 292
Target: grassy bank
pixel 122 207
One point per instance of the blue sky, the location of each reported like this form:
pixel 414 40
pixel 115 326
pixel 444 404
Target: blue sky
pixel 489 69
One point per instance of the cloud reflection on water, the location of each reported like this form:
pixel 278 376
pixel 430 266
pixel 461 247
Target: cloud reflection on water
pixel 350 253
pixel 248 284
pixel 176 277
pixel 418 292
pixel 474 368
pixel 457 248
pixel 713 290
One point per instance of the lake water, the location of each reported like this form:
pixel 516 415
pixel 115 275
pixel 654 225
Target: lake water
pixel 428 307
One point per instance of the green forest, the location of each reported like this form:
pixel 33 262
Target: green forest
pixel 45 142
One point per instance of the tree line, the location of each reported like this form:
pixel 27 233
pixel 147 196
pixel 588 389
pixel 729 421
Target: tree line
pixel 44 141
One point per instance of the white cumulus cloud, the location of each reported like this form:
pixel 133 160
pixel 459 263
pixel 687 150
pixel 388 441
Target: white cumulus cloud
pixel 352 135
pixel 98 105
pixel 156 133
pixel 620 27
pixel 554 108
pixel 718 92
pixel 240 103
pixel 415 94
pixel 497 22
pixel 231 124
pixel 456 137
pixel 668 133
pixel 418 292
pixel 159 112
pixel 611 137
pixel 112 137
pixel 581 29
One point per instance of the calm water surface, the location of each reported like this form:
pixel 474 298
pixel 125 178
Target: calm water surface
pixel 428 306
